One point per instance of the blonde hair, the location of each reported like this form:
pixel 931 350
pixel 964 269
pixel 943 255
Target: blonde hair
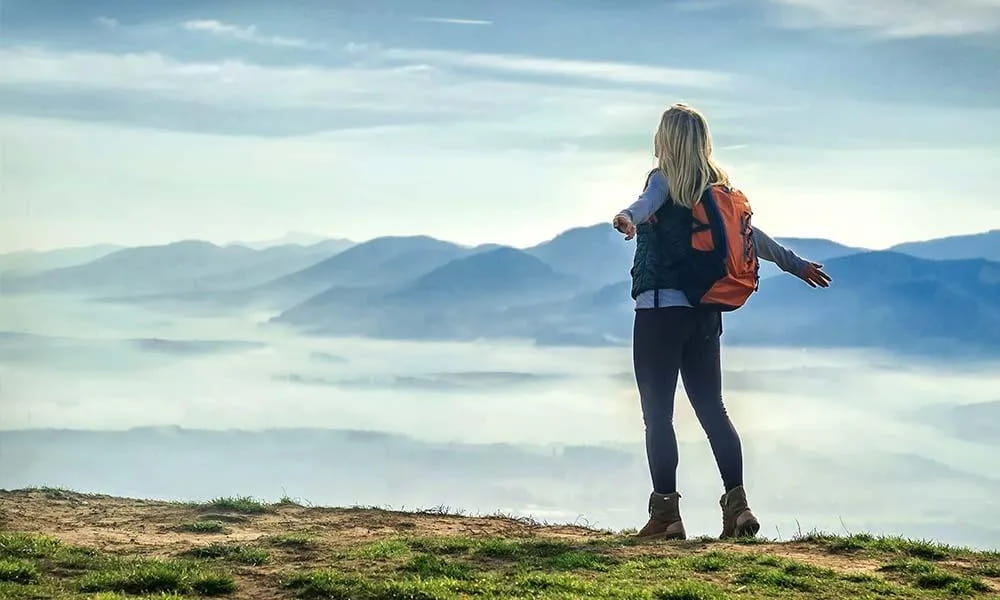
pixel 683 146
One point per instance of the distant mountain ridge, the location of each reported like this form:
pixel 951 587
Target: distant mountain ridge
pixel 572 289
pixel 882 299
pixel 33 261
pixel 978 245
pixel 179 267
pixel 379 261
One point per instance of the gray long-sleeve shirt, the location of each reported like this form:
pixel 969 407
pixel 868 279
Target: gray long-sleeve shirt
pixel 653 197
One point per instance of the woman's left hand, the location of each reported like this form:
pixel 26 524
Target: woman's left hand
pixel 814 275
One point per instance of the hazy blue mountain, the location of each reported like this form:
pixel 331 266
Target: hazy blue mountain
pixel 817 249
pixel 178 268
pixel 814 249
pixel 385 260
pixel 978 245
pixel 504 273
pixel 276 261
pixel 596 254
pixel 879 299
pixel 462 299
pixel 34 261
pixel 882 299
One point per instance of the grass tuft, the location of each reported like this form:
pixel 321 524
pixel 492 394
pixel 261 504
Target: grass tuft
pixel 928 576
pixel 18 571
pixel 864 542
pixel 383 550
pixel 287 500
pixel 711 562
pixel 40 547
pixel 428 565
pixel 774 578
pixel 295 541
pixel 239 504
pixel 441 545
pixel 243 554
pixel 987 570
pixel 690 590
pixel 324 584
pixel 23 545
pixel 204 527
pixel 579 559
pixel 149 576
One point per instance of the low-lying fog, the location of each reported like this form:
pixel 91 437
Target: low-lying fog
pixel 833 439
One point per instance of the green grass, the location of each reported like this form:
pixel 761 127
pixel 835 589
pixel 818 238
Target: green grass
pixel 292 541
pixel 40 548
pixel 863 542
pixel 287 500
pixel 24 545
pixel 428 565
pixel 204 527
pixel 985 569
pixel 383 550
pixel 929 576
pixel 56 493
pixel 710 562
pixel 158 576
pixel 239 504
pixel 36 566
pixel 17 571
pixel 535 567
pixel 240 553
pixel 690 590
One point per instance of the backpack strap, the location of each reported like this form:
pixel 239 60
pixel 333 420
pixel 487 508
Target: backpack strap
pixel 714 223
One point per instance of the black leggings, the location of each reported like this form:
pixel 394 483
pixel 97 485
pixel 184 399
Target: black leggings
pixel 686 340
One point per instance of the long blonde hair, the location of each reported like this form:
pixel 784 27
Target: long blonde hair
pixel 683 146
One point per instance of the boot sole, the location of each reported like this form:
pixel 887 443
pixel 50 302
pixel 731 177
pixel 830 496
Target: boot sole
pixel 748 530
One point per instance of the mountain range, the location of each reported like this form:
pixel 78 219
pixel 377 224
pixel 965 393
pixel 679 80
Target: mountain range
pixel 180 267
pixel 569 290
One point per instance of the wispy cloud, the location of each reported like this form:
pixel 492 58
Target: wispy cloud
pixel 245 33
pixel 408 88
pixel 616 72
pixel 897 18
pixel 108 22
pixel 453 21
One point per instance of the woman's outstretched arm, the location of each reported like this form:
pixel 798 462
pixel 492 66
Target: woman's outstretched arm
pixel 770 250
pixel 650 200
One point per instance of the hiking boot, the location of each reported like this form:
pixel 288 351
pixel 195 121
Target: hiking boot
pixel 664 518
pixel 737 520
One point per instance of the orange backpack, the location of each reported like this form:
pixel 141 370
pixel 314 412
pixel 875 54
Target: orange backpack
pixel 721 270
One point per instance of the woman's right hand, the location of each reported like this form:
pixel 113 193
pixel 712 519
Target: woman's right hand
pixel 624 225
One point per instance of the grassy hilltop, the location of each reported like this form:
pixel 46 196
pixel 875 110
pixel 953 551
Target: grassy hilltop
pixel 59 544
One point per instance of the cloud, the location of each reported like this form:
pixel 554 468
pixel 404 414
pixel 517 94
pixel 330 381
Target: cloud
pixel 452 21
pixel 614 72
pixel 411 81
pixel 897 18
pixel 247 33
pixel 108 22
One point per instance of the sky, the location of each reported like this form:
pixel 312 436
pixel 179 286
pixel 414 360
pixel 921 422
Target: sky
pixel 149 122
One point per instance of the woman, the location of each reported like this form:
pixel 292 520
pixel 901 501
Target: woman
pixel 671 336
